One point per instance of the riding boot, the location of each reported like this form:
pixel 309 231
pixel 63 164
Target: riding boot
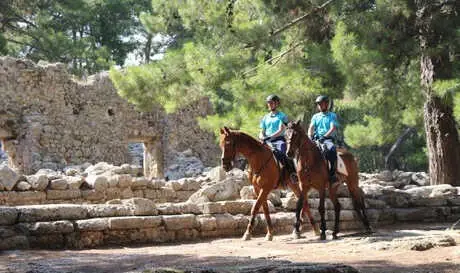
pixel 290 167
pixel 332 175
pixel 333 160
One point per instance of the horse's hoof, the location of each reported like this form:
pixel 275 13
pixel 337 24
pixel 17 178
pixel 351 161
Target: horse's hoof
pixel 334 236
pixel 269 237
pixel 295 235
pixel 323 236
pixel 316 231
pixel 246 236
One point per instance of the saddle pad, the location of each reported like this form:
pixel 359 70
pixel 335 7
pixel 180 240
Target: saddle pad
pixel 341 168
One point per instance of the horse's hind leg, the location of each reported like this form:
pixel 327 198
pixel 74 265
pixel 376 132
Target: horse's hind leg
pixel 337 207
pixel 261 198
pixel 306 210
pixel 269 236
pixel 360 207
pixel 322 210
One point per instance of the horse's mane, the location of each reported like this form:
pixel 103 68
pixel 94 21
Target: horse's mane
pixel 246 137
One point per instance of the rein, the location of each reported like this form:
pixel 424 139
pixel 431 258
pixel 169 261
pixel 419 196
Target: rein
pixel 264 165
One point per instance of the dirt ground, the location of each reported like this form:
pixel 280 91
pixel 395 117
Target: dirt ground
pixel 387 250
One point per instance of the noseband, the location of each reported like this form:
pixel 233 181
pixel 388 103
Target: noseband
pixel 227 160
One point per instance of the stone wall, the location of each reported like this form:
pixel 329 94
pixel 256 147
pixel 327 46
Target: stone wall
pixel 49 120
pixel 219 206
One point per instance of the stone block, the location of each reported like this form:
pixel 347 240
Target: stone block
pixel 156 184
pixel 141 206
pixel 41 228
pixel 139 183
pixel 63 194
pixel 38 182
pixel 106 210
pixel 139 193
pixel 453 201
pixel 133 222
pixel 124 180
pixel 23 186
pixel 49 241
pixel 92 195
pixel 8 177
pixel 59 184
pixel 74 182
pixel 178 208
pixel 97 224
pixel 177 222
pixel 206 222
pixel 23 198
pixel 182 196
pixel 225 222
pixel 113 193
pixel 186 234
pixel 428 202
pixel 415 214
pixel 16 242
pixel 212 208
pixel 41 213
pixel 97 182
pixel 91 239
pixel 127 193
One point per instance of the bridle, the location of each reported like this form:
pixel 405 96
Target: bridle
pixel 227 160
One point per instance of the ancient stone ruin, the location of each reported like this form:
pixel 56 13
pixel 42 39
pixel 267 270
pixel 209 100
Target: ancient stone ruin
pixel 49 120
pixel 89 206
pixel 67 184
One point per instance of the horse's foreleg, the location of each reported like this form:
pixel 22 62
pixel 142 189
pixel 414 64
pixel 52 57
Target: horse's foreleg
pixel 261 198
pixel 322 210
pixel 269 235
pixel 298 210
pixel 337 207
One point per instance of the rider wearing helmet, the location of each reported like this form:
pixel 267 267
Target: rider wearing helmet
pixel 323 128
pixel 273 126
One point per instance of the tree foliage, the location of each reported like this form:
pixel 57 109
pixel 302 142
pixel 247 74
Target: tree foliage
pixel 88 35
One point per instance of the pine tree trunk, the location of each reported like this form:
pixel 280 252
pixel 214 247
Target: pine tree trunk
pixel 440 127
pixel 442 143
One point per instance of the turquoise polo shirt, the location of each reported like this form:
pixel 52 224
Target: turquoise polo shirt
pixel 322 123
pixel 272 122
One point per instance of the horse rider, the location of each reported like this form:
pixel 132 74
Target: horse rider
pixel 273 126
pixel 323 128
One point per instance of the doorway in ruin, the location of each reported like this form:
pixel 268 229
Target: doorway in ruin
pixel 148 153
pixel 3 154
pixel 136 153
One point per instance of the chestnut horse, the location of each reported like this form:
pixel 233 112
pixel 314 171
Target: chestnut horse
pixel 264 174
pixel 312 170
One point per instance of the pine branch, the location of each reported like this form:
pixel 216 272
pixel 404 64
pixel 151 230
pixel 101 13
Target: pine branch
pixel 278 57
pixel 299 19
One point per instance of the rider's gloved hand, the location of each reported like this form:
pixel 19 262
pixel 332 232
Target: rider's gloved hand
pixel 266 139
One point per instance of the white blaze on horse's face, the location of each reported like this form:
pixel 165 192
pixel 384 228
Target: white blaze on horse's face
pixel 289 135
pixel 228 152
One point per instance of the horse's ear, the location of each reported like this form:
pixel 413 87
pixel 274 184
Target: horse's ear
pixel 297 123
pixel 226 131
pixel 222 131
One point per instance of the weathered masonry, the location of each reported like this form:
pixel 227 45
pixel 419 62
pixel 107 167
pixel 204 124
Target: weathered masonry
pixel 49 120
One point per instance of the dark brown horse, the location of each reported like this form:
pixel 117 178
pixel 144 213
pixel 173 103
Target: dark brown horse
pixel 312 171
pixel 264 174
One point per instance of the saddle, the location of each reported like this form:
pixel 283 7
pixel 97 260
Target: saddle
pixel 340 166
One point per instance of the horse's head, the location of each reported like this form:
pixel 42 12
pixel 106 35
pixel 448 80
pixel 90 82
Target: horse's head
pixel 292 136
pixel 228 146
